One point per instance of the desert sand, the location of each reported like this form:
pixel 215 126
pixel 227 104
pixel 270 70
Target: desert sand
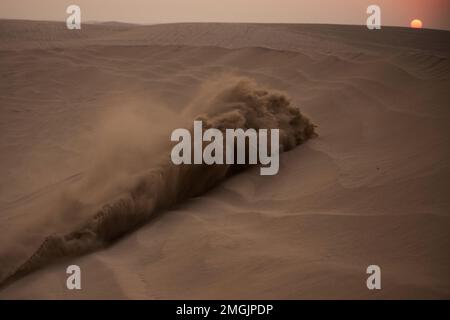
pixel 85 113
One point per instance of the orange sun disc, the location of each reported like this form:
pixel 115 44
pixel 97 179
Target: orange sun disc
pixel 416 24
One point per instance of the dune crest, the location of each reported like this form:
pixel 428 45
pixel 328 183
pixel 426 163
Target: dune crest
pixel 237 103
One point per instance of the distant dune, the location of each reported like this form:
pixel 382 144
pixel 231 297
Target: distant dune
pixel 85 113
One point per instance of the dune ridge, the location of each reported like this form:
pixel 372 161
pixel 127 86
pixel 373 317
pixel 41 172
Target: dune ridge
pixel 240 103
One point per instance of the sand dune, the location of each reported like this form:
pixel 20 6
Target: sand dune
pixel 83 113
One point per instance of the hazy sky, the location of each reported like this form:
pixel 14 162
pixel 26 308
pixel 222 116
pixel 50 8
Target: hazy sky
pixel 434 13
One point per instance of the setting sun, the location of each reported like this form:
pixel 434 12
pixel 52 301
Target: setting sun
pixel 416 24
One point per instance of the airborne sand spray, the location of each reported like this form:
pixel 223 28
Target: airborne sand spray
pixel 238 104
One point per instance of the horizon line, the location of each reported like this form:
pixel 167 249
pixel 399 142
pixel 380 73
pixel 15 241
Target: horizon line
pixel 223 22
